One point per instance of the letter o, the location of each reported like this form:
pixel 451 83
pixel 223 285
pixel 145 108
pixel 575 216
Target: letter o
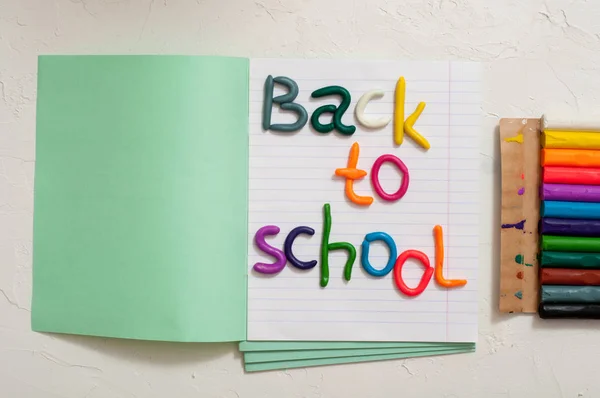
pixel 364 257
pixel 375 177
pixel 422 257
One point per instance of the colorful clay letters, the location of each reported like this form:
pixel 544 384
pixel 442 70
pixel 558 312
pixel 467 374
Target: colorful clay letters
pixel 395 261
pixel 286 102
pixel 351 173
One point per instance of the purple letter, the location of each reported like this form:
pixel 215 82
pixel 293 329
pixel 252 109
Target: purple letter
pixel 259 239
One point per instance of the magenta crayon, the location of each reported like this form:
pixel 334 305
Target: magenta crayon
pixel 571 192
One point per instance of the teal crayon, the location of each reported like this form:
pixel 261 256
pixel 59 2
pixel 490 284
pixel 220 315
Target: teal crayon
pixel 570 294
pixel 556 259
pixel 562 209
pixel 570 243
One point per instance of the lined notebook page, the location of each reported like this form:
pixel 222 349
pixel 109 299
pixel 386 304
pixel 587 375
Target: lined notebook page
pixel 291 177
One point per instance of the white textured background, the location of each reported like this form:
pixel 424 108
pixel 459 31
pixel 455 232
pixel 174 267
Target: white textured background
pixel 540 56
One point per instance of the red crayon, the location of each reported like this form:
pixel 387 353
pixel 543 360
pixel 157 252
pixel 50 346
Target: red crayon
pixel 570 276
pixel 571 175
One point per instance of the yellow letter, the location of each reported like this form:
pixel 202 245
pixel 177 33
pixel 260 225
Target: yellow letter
pixel 399 98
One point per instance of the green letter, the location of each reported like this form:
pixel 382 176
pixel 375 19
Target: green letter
pixel 326 247
pixel 338 112
pixel 286 102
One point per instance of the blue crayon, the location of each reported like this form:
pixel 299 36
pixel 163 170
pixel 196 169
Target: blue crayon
pixel 570 294
pixel 579 210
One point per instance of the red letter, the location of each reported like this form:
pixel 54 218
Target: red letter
pixel 422 257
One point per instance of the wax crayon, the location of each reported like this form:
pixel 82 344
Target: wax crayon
pixel 578 210
pixel 579 311
pixel 570 276
pixel 570 243
pixel 570 157
pixel 569 227
pixel 570 139
pixel 571 175
pixel 552 122
pixel 553 259
pixel 570 192
pixel 570 294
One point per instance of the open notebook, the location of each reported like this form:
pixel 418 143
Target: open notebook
pixel 154 175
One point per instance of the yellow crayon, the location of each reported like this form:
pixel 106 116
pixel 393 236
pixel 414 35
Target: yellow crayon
pixel 570 139
pixel 399 97
pixel 409 129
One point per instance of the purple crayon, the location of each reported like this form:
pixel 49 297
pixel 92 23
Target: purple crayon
pixel 570 192
pixel 569 227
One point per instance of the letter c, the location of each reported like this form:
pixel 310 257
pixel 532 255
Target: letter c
pixel 359 111
pixel 289 242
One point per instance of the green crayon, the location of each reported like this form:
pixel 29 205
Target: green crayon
pixel 552 259
pixel 570 243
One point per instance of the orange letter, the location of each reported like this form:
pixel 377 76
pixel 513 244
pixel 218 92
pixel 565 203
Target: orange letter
pixel 351 173
pixel 439 261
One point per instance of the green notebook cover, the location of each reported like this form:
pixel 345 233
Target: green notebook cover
pixel 141 180
pixel 275 356
pixel 267 355
pixel 400 354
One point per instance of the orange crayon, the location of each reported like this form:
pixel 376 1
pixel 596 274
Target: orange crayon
pixel 570 157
